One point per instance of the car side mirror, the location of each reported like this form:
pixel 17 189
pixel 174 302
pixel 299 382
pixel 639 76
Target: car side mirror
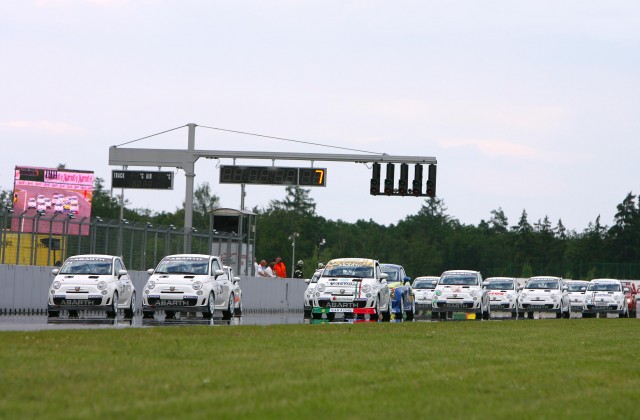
pixel 55 271
pixel 406 283
pixel 565 288
pixel 485 283
pixel 150 271
pixel 434 283
pixel 218 273
pixel 583 289
pixel 520 288
pixel 384 277
pixel 122 273
pixel 236 279
pixel 307 280
pixel 626 290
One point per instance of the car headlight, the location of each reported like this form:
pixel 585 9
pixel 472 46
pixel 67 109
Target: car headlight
pixel 197 285
pixel 554 296
pixel 56 285
pixel 102 285
pixel 320 287
pixel 366 288
pixel 473 293
pixel 151 284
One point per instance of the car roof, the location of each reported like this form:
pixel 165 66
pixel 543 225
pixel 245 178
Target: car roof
pixel 499 278
pixel 605 281
pixel 461 272
pixel 391 265
pixel 92 256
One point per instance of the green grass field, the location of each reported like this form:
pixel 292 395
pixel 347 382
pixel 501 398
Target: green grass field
pixel 529 369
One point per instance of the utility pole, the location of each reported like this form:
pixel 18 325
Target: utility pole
pixel 293 237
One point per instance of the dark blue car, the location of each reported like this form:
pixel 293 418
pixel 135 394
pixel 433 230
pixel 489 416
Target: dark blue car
pixel 402 302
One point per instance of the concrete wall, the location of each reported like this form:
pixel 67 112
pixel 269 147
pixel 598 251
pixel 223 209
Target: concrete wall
pixel 25 288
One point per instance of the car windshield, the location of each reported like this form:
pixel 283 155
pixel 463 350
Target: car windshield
pixel 357 271
pixel 94 266
pixel 393 273
pixel 500 285
pixel 183 265
pixel 423 284
pixel 604 287
pixel 542 284
pixel 459 279
pixel 576 287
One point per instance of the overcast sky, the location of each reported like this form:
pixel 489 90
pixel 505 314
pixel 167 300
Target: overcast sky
pixel 529 105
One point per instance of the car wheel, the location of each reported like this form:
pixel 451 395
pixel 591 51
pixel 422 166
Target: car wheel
pixel 514 314
pixel 411 313
pixel 227 314
pixel 331 316
pixel 315 315
pixel 211 307
pixel 112 312
pixel 147 314
pixel 443 315
pixel 402 313
pixel 530 315
pixel 306 313
pixel 53 314
pixel 376 316
pixel 131 310
pixel 386 315
pixel 238 311
pixel 486 315
pixel 169 314
pixel 73 313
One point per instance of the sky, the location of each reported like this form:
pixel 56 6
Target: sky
pixel 527 105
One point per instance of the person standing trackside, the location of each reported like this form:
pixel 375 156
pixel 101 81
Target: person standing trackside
pixel 299 273
pixel 280 269
pixel 260 271
pixel 269 271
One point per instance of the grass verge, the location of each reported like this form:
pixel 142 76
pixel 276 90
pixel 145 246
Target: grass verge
pixel 529 369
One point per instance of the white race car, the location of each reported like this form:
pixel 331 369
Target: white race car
pixel 423 289
pixel 605 296
pixel 544 294
pixel 461 291
pixel 237 291
pixel 503 294
pixel 308 294
pixel 188 283
pixel 92 282
pixel 352 286
pixel 576 291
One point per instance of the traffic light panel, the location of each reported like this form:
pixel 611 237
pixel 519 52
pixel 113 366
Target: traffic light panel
pixel 404 179
pixel 388 182
pixel 431 181
pixel 375 180
pixel 417 181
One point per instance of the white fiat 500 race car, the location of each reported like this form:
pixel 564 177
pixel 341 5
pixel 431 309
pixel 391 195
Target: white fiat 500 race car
pixel 188 283
pixel 576 291
pixel 91 282
pixel 237 291
pixel 503 294
pixel 352 286
pixel 544 294
pixel 605 296
pixel 461 291
pixel 423 289
pixel 309 293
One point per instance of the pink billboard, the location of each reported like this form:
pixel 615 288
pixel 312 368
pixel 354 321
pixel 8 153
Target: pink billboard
pixel 60 197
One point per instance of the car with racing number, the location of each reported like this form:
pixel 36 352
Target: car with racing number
pixel 460 291
pixel 605 296
pixel 503 294
pixel 308 293
pixel 92 282
pixel 544 294
pixel 188 283
pixel 237 291
pixel 354 287
pixel 630 295
pixel 423 288
pixel 576 292
pixel 402 299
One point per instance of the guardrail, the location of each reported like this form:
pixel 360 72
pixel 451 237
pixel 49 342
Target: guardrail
pixel 23 289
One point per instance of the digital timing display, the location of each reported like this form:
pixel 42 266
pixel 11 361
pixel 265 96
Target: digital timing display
pixel 155 180
pixel 273 175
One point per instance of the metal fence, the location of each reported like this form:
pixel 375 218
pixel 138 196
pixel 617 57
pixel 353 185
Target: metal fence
pixel 32 238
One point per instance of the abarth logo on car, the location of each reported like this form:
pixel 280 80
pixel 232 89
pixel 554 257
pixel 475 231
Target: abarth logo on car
pixel 77 288
pixel 172 288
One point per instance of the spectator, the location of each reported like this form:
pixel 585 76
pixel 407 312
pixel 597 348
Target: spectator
pixel 270 271
pixel 256 266
pixel 299 273
pixel 280 269
pixel 260 271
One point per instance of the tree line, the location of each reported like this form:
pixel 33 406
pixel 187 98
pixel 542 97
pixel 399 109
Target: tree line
pixel 426 243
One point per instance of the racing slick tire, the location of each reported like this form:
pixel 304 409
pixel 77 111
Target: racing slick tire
pixel 112 312
pixel 486 315
pixel 514 315
pixel 412 313
pixel 376 316
pixel 211 306
pixel 169 314
pixel 331 316
pixel 401 316
pixel 147 314
pixel 238 311
pixel 53 314
pixel 530 315
pixel 625 313
pixel 228 313
pixel 73 313
pixel 306 313
pixel 386 315
pixel 316 315
pixel 131 310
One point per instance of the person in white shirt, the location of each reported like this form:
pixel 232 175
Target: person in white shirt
pixel 269 270
pixel 260 270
